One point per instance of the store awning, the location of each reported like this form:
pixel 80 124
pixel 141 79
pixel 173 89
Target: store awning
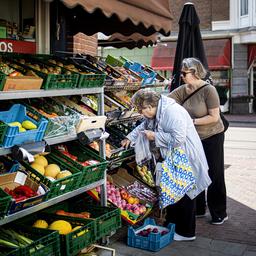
pixel 218 53
pixel 122 16
pixel 134 40
pixel 251 54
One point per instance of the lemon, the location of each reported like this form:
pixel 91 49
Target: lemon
pixel 21 129
pixel 15 124
pixel 28 125
pixel 38 168
pixel 40 224
pixel 41 160
pixel 52 170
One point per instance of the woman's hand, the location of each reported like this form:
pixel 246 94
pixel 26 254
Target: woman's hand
pixel 125 143
pixel 149 134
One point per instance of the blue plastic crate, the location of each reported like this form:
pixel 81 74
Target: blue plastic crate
pixel 147 76
pixel 18 113
pixel 154 241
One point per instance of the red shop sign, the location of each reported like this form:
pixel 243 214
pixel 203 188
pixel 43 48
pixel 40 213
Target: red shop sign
pixel 17 46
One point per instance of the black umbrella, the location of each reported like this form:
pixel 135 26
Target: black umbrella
pixel 189 44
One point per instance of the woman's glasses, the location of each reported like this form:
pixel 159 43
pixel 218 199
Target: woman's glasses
pixel 183 73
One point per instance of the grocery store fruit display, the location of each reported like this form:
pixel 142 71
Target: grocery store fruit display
pixel 123 200
pixel 146 175
pixel 50 171
pixel 24 126
pixel 142 192
pixel 95 145
pixel 146 232
pixel 62 226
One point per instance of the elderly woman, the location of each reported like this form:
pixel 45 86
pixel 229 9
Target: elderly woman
pixel 169 124
pixel 204 109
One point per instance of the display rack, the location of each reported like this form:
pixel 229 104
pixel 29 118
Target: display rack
pixel 132 87
pixel 48 203
pixel 55 140
pixel 10 95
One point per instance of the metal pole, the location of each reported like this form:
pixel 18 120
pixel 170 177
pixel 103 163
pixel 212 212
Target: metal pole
pixel 103 194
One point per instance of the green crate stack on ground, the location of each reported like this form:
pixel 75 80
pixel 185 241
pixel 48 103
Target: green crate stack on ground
pixel 59 186
pixel 5 201
pixel 91 173
pixel 73 242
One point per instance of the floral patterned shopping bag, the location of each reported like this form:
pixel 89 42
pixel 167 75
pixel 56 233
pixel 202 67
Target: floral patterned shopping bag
pixel 176 177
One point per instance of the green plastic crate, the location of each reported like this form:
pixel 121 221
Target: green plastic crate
pixel 5 201
pixel 9 252
pixel 113 61
pixel 107 218
pixel 72 242
pixel 85 80
pixel 2 80
pixel 90 174
pixel 60 186
pixel 91 80
pixel 46 242
pixel 3 129
pixel 51 81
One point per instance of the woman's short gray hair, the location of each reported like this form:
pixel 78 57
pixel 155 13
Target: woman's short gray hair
pixel 145 97
pixel 194 65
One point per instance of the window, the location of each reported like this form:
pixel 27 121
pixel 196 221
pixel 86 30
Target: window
pixel 243 7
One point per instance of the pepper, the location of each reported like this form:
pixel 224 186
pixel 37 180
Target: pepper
pixel 24 191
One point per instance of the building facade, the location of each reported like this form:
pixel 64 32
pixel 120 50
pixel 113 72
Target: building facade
pixel 228 29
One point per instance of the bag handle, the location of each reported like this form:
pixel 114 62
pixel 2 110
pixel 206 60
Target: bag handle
pixel 193 93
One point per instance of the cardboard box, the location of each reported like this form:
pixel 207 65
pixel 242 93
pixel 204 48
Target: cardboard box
pixel 15 179
pixel 22 83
